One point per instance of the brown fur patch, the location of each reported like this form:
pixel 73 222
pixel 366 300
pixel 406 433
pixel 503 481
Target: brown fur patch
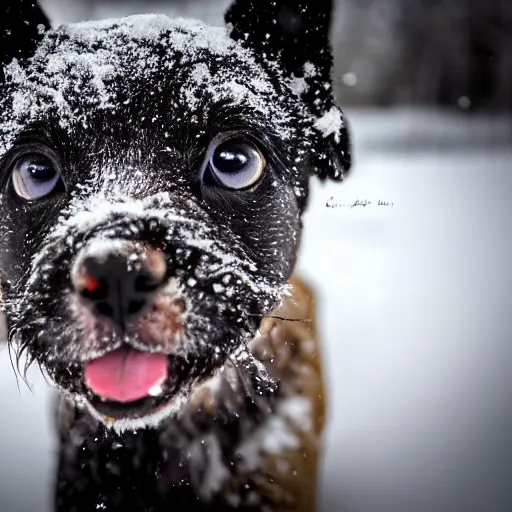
pixel 290 350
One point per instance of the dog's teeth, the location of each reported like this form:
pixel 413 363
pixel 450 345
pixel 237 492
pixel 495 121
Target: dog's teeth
pixel 156 391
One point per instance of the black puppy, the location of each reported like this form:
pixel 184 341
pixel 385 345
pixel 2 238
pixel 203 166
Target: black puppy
pixel 153 177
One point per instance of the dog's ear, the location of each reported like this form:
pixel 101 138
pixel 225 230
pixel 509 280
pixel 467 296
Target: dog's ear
pixel 22 26
pixel 295 35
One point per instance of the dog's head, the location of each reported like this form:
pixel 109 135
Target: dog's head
pixel 153 177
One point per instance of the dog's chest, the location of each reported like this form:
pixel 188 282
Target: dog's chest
pixel 225 452
pixel 215 462
pixel 132 472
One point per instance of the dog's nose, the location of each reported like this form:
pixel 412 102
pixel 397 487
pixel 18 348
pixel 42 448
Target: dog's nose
pixel 119 284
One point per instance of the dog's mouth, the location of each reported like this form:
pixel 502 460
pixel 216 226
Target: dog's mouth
pixel 126 382
pixel 140 328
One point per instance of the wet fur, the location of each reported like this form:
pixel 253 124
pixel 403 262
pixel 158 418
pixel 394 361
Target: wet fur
pixel 131 151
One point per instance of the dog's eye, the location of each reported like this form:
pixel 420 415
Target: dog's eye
pixel 34 176
pixel 235 165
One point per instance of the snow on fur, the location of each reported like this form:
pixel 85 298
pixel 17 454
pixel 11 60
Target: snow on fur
pixel 83 65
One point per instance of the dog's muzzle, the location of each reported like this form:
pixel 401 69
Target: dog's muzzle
pixel 117 283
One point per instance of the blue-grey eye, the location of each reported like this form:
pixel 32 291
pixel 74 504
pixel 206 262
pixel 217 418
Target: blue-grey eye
pixel 236 164
pixel 34 176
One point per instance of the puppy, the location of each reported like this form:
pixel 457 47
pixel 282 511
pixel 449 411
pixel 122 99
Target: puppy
pixel 154 175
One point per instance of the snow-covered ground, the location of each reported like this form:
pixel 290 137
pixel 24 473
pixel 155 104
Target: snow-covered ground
pixel 415 302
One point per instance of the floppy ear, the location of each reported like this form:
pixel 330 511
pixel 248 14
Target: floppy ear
pixel 295 35
pixel 22 26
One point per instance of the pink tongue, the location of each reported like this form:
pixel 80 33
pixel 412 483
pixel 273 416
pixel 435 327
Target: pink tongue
pixel 126 375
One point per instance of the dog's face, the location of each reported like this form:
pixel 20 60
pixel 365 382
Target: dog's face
pixel 153 177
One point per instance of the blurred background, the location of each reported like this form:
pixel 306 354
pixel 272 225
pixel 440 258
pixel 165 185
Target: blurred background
pixel 454 53
pixel 414 293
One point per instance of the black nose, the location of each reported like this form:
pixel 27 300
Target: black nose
pixel 119 285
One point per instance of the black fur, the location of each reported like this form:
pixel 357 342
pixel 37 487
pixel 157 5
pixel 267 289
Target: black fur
pixel 23 26
pixel 127 112
pixel 294 33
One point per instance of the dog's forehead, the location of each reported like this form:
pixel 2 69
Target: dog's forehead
pixel 86 68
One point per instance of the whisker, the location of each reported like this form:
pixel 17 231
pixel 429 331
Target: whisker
pixel 44 373
pixel 16 368
pixel 9 350
pixel 284 319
